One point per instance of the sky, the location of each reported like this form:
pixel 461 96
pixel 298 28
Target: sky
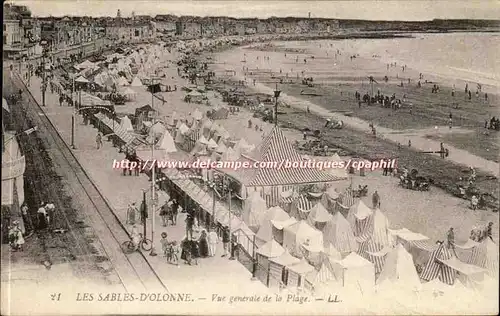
pixel 409 10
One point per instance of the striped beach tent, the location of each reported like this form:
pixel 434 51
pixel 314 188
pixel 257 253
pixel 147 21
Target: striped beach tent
pixel 485 255
pixel 436 269
pixel 373 252
pixel 361 219
pixel 338 233
pixel 302 207
pixel 345 201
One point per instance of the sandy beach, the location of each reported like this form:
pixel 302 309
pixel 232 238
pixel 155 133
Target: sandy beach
pixel 453 211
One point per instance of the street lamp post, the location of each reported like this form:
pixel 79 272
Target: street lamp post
pixel 73 117
pixel 276 96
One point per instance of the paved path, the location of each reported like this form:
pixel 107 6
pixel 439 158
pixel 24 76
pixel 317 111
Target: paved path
pixel 211 273
pixel 458 156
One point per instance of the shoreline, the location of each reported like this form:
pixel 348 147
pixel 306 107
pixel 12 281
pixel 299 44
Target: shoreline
pixel 442 179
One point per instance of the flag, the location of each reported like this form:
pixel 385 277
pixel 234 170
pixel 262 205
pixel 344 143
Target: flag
pixel 31 130
pixel 5 105
pixel 154 88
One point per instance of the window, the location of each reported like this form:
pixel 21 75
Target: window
pixel 4 27
pixel 5 39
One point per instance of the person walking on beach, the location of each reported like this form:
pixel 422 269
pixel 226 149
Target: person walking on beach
pixel 376 200
pixel 213 240
pixel 28 224
pixel 451 240
pixel 225 240
pixel 98 140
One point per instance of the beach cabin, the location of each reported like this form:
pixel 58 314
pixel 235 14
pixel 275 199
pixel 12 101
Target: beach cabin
pixel 270 249
pixel 297 235
pixel 278 269
pixel 297 273
pixel 354 271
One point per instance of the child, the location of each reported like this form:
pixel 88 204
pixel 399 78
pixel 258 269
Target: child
pixel 164 244
pixel 174 253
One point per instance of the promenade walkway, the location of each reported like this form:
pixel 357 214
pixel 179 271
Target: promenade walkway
pixel 212 275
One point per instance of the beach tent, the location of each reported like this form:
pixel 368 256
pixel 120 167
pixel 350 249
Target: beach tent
pixel 254 209
pixel 418 245
pixel 435 269
pixel 297 273
pixel 318 216
pixel 243 147
pixel 126 124
pixel 212 144
pixel 167 143
pixel 199 146
pixel 136 82
pixel 470 275
pixel 122 82
pixel 81 79
pixel 485 255
pixel 173 119
pixel 341 173
pixel 183 129
pixel 296 235
pixel 332 253
pixel 360 217
pixel 221 148
pixel 321 276
pixel 230 155
pixel 399 270
pixel 267 229
pixel 129 93
pixel 339 234
pixel 275 213
pixel 90 100
pixel 381 234
pixel 157 129
pixel 197 115
pixel 354 272
pixel 270 249
pixel 85 64
pixel 373 252
pixel 277 268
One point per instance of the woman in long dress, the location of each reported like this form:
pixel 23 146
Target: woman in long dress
pixel 203 243
pixel 186 251
pixel 195 251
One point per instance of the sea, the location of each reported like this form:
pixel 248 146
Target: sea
pixel 466 56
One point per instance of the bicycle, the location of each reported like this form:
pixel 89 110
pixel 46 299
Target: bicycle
pixel 129 247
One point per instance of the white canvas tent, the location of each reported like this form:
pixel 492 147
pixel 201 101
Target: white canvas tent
pixel 381 234
pixel 318 216
pixel 267 229
pixel 81 79
pixel 297 273
pixel 277 268
pixel 399 270
pixel 212 144
pixel 338 233
pixel 254 209
pixel 197 115
pixel 296 235
pixel 126 124
pixel 122 82
pixel 136 82
pixel 355 271
pixel 167 143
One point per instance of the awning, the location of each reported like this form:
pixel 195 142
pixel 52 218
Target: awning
pixel 462 267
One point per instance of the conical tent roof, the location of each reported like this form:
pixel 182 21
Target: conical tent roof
pixel 399 269
pixel 81 79
pixel 332 252
pixel 485 255
pixel 126 124
pixel 319 214
pixel 339 172
pixel 197 115
pixel 122 81
pixel 286 259
pixel 354 260
pixel 212 144
pixel 271 249
pixel 301 232
pixel 303 267
pixel 183 129
pixel 255 207
pixel 361 211
pixel 339 233
pixel 230 155
pixel 275 213
pixel 332 193
pixel 203 140
pixel 167 143
pixel 136 82
pixel 221 148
